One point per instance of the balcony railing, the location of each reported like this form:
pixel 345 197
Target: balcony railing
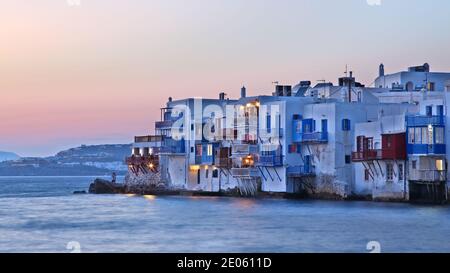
pixel 140 160
pixel 167 124
pixel 367 155
pixel 425 121
pixel 244 149
pixel 245 172
pixel 171 146
pixel 428 175
pixel 316 137
pixel 301 171
pixel 223 162
pixel 270 160
pixel 378 154
pixel 141 139
pixel 426 149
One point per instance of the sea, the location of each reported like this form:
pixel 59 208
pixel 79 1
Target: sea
pixel 42 214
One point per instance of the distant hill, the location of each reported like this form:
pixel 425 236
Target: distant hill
pixel 83 160
pixel 5 156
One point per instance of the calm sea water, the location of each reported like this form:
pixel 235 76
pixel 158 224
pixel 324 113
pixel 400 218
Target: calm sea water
pixel 40 214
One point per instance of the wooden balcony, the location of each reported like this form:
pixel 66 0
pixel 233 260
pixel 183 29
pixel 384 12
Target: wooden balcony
pixel 427 176
pixel 378 154
pixel 245 172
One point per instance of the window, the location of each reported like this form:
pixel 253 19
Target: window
pixel 440 110
pixel 425 135
pixel 429 110
pixel 366 175
pixel 414 164
pixel 209 151
pixel 390 171
pixel 431 86
pixel 439 135
pixel 417 135
pixel 346 125
pixel 268 123
pixel 198 150
pixel 192 127
pixel 292 148
pixel 411 139
pixel 298 127
pixel 215 173
pixel 192 149
pixel 348 159
pixel 206 173
pixel 400 172
pixel 440 165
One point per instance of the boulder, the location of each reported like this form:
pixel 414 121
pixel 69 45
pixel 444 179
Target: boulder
pixel 102 186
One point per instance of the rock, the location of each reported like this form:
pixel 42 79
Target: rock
pixel 101 186
pixel 79 192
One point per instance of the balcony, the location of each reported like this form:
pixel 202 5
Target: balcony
pixel 223 162
pixel 245 172
pixel 367 155
pixel 143 139
pixel 301 171
pixel 270 160
pixel 426 149
pixel 142 160
pixel 379 154
pixel 171 146
pixel 424 121
pixel 317 137
pixel 428 176
pixel 164 125
pixel 244 149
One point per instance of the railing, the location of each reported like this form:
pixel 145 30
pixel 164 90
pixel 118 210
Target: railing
pixel 171 146
pixel 244 149
pixel 367 155
pixel 270 160
pixel 378 154
pixel 140 139
pixel 425 120
pixel 223 162
pixel 301 171
pixel 428 175
pixel 244 172
pixel 139 160
pixel 315 137
pixel 166 124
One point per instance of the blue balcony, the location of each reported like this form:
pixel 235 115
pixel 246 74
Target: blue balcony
pixel 172 146
pixel 270 161
pixel 424 121
pixel 426 149
pixel 316 137
pixel 301 171
pixel 164 125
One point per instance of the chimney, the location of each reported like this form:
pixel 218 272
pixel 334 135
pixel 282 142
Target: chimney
pixel 381 70
pixel 170 99
pixel 222 96
pixel 243 92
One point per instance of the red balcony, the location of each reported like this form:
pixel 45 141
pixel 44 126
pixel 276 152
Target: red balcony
pixel 367 155
pixel 381 154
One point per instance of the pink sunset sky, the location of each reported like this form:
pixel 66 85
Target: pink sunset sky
pixel 98 72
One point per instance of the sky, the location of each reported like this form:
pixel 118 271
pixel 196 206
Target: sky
pixel 78 72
